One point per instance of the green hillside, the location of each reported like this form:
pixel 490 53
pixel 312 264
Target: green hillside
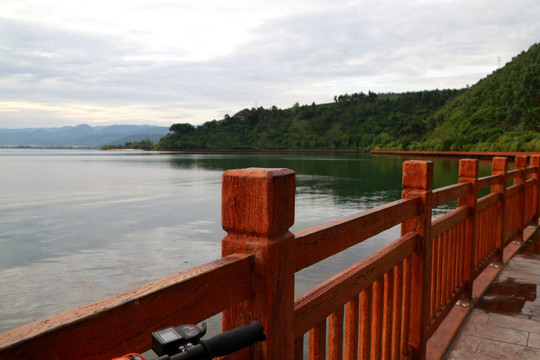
pixel 501 112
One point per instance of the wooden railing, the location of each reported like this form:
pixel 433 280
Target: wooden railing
pixel 386 306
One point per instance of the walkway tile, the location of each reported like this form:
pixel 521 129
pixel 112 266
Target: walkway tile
pixel 506 321
pixel 534 340
pixel 479 316
pixel 504 351
pixel 506 335
pixel 466 355
pixel 467 343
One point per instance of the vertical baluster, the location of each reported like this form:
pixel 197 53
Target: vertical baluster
pixel 482 246
pixel 535 161
pixel 492 229
pixel 352 317
pixel 480 238
pixel 317 342
pixel 335 335
pixel 376 319
pixel 439 272
pixel 444 285
pixel 433 295
pixel 521 180
pixel 365 324
pixel 397 310
pixel 455 232
pixel 387 314
pixel 459 258
pixel 461 254
pixel 405 312
pixel 452 238
pixel 448 266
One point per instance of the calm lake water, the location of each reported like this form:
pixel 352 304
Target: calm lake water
pixel 80 225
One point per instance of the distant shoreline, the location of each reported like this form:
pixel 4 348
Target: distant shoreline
pixel 442 154
pixel 455 154
pixel 258 150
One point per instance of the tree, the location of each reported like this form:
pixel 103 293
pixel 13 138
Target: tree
pixel 182 128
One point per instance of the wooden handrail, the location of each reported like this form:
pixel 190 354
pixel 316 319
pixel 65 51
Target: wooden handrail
pixel 490 180
pixel 487 201
pixel 514 174
pixel 451 192
pixel 449 220
pixel 123 323
pixel 319 242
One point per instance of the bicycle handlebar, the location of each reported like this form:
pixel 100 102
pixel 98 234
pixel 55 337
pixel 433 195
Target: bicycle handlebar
pixel 222 344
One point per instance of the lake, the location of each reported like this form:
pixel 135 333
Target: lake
pixel 80 225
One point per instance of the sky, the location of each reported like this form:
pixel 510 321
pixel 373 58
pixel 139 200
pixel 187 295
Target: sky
pixel 160 62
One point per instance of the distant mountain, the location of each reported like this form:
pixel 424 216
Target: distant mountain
pixel 81 135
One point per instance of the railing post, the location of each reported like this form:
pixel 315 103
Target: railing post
pixel 521 164
pixel 257 211
pixel 499 167
pixel 468 173
pixel 417 182
pixel 535 161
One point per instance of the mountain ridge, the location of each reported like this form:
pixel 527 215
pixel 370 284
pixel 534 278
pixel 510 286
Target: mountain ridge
pixel 82 135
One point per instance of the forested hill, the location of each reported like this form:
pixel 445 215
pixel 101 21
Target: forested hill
pixel 501 112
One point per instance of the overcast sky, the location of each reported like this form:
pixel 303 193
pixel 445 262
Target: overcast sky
pixel 160 62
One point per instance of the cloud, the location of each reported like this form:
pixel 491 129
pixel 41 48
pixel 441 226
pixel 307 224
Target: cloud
pixel 170 60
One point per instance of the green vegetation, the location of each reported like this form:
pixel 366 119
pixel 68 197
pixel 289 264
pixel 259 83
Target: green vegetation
pixel 357 121
pixel 499 113
pixel 146 144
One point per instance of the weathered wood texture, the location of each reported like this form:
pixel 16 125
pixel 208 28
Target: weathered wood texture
pixel 385 306
pixel 257 211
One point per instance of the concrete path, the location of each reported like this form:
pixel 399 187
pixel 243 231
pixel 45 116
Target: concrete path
pixel 505 323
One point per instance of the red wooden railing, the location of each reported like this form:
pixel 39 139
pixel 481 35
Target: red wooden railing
pixel 386 306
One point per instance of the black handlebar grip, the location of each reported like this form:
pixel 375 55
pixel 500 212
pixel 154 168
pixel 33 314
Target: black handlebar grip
pixel 234 340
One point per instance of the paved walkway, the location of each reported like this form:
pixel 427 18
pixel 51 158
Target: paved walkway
pixel 505 323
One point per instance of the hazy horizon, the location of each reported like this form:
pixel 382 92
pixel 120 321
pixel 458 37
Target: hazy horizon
pixel 165 62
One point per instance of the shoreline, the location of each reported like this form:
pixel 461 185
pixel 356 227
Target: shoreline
pixel 481 155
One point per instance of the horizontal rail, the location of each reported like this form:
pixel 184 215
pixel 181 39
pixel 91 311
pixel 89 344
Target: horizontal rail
pixel 511 190
pixel 319 242
pixel 514 174
pixel 315 305
pixel 449 220
pixel 487 201
pixel 449 193
pixel 531 170
pixel 488 181
pixel 123 323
